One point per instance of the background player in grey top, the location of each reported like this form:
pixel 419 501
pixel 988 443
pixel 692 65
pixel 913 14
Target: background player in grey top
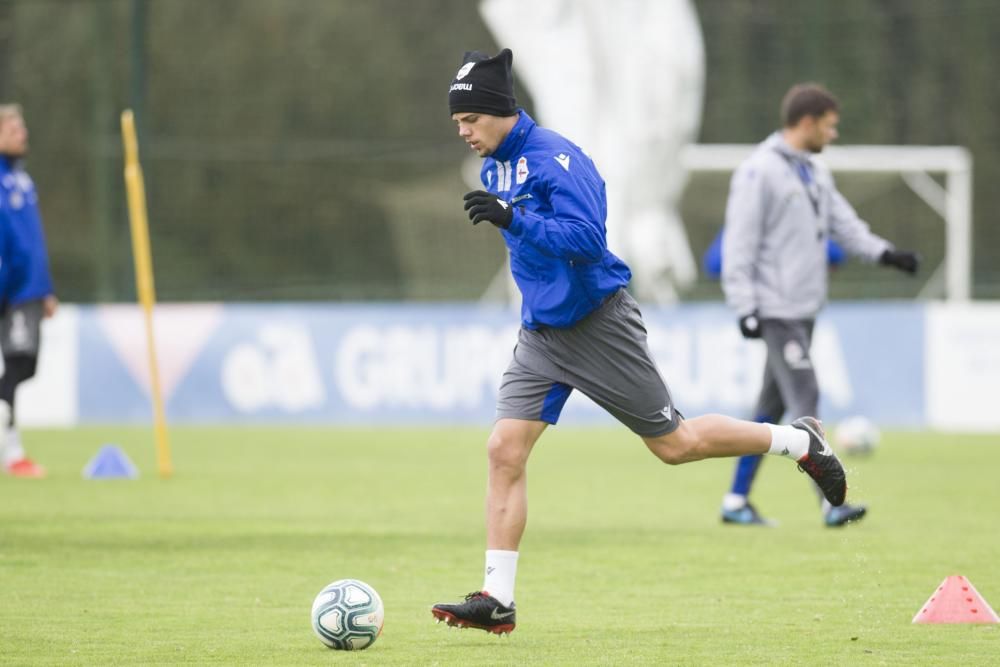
pixel 783 207
pixel 580 328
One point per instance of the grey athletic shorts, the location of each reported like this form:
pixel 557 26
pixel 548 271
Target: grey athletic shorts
pixel 20 329
pixel 604 356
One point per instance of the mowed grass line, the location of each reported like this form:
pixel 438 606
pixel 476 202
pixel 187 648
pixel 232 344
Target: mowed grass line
pixel 624 560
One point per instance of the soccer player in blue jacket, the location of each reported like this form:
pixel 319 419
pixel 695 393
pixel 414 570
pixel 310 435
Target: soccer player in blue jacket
pixel 30 295
pixel 580 329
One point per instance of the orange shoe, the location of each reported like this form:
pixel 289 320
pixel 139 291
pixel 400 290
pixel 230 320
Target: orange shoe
pixel 25 468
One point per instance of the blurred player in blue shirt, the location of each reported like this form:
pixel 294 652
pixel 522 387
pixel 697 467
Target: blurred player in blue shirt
pixel 30 296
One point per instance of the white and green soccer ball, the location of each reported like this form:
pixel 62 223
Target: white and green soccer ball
pixel 856 436
pixel 348 615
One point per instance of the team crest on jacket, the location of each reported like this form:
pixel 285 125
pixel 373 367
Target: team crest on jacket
pixel 522 170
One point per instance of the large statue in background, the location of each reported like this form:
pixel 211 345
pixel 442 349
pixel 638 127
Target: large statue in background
pixel 623 80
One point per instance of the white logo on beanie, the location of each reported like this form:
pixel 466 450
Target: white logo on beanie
pixel 465 69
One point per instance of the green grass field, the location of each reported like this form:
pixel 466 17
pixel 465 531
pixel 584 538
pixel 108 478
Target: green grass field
pixel 624 560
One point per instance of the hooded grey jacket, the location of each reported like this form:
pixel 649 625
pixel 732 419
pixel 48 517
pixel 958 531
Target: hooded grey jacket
pixel 783 205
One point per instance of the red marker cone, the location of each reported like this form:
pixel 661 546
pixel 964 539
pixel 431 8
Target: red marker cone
pixel 956 600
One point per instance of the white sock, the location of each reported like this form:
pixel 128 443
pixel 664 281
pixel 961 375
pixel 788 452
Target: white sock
pixel 733 501
pixel 10 448
pixel 788 441
pixel 13 450
pixel 501 568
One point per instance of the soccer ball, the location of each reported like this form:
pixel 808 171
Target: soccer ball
pixel 856 435
pixel 347 615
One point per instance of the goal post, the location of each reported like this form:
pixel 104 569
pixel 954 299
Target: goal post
pixel 953 201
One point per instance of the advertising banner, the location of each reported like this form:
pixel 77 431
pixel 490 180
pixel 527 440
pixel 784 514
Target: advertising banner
pixel 403 364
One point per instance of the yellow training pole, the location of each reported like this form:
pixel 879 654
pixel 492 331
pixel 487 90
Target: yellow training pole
pixel 136 192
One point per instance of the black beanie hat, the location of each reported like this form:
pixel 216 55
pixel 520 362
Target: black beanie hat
pixel 484 85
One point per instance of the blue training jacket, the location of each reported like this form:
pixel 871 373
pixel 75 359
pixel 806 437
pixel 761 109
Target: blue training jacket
pixel 557 238
pixel 19 211
pixel 13 259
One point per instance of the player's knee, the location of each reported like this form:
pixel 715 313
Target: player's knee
pixel 506 451
pixel 674 448
pixel 672 456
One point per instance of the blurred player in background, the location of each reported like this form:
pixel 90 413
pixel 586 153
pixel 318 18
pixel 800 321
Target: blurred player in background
pixel 30 295
pixel 783 208
pixel 580 329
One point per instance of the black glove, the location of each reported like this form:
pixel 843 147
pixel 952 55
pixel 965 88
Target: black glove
pixel 483 205
pixel 750 325
pixel 904 260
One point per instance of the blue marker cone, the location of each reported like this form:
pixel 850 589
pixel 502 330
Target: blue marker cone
pixel 110 462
